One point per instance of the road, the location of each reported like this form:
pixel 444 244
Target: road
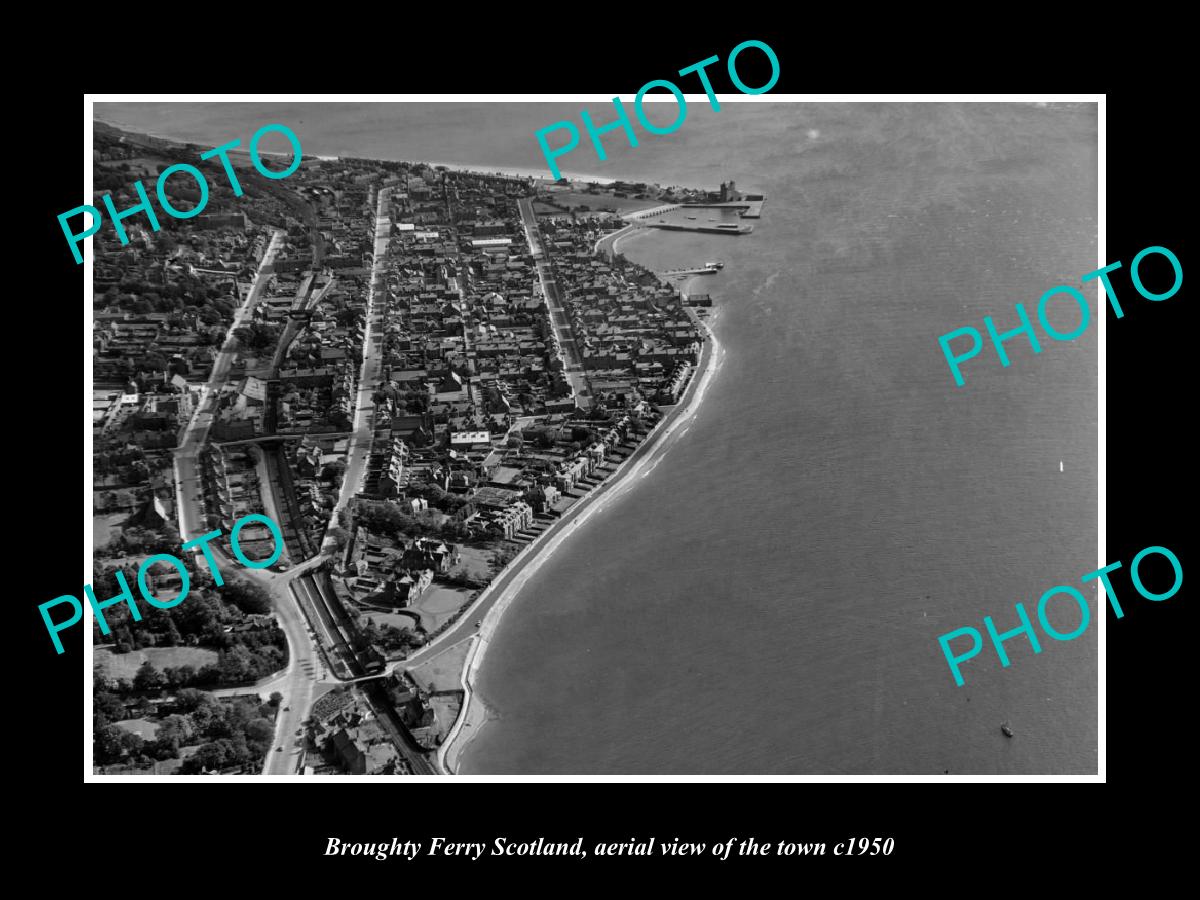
pixel 294 589
pixel 293 327
pixel 187 471
pixel 368 379
pixel 559 318
pixel 297 597
pixel 305 668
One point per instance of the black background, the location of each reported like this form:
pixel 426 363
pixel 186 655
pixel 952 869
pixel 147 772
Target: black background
pixel 1149 411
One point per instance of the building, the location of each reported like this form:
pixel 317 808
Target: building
pixel 427 553
pixel 393 476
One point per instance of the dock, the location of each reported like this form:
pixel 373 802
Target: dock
pixel 751 205
pixel 727 228
pixel 699 270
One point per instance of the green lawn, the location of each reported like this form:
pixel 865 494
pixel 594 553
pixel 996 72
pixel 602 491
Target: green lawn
pixel 396 620
pixel 106 526
pixel 125 665
pixel 473 562
pixel 443 671
pixel 439 604
pixel 143 728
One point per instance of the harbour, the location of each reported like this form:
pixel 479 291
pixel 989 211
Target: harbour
pixel 706 269
pixel 723 228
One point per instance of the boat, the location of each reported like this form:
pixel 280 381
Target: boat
pixel 714 265
pixel 1007 729
pixel 693 218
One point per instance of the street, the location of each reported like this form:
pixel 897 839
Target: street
pixel 187 472
pixel 559 318
pixel 360 439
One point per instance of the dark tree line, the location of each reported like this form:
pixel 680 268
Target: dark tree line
pixel 233 734
pixel 245 653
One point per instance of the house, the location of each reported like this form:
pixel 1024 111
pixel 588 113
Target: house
pixel 394 463
pixel 308 459
pixel 427 553
pixel 470 440
pixel 505 522
pixel 364 749
pixel 410 586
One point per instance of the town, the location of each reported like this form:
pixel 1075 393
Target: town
pixel 416 372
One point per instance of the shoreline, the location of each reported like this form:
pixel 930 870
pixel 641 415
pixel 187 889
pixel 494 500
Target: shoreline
pixel 647 454
pixel 471 168
pixel 475 712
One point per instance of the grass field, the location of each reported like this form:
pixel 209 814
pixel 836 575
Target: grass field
pixel 396 620
pixel 444 670
pixel 106 526
pixel 143 728
pixel 125 665
pixel 473 562
pixel 439 604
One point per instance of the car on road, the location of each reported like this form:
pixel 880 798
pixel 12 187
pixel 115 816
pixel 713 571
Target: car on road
pixel 478 622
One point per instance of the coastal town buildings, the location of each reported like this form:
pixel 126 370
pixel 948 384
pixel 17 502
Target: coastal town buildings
pixel 228 352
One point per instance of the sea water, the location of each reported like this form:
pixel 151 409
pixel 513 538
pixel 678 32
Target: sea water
pixel 768 599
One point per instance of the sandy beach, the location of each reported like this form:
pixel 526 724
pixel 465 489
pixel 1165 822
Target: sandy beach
pixel 539 174
pixel 474 713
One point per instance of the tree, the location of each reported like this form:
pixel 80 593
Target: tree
pixel 132 744
pixel 276 698
pixel 149 679
pixel 174 731
pixel 108 744
pixel 248 596
pixel 259 735
pixel 189 699
pixel 108 705
pixel 210 756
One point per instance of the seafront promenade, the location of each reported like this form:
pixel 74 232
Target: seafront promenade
pixel 491 605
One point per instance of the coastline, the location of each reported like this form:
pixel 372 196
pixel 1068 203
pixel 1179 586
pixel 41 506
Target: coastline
pixel 474 712
pixel 472 168
pixel 513 172
pixel 614 239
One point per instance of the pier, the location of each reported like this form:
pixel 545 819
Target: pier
pixel 751 205
pixel 727 228
pixel 641 214
pixel 699 270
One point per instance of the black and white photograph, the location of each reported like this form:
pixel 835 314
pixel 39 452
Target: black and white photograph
pixel 684 434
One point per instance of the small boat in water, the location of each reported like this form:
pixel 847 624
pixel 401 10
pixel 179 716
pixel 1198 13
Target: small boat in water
pixel 1007 729
pixel 714 265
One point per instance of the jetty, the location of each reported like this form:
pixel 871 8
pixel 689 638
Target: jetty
pixel 699 270
pixel 750 205
pixel 722 228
